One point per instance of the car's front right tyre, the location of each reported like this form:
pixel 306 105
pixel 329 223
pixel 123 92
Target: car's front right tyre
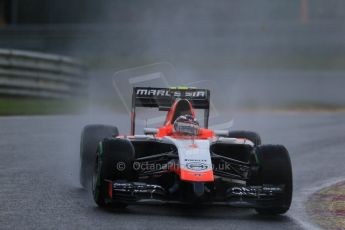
pixel 114 162
pixel 89 140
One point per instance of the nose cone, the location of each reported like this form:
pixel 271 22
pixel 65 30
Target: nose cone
pixel 196 175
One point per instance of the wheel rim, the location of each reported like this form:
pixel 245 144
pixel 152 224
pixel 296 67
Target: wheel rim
pixel 95 176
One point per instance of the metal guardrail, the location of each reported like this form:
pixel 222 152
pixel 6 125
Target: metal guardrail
pixel 33 74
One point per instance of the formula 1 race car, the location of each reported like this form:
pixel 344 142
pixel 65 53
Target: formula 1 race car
pixel 182 162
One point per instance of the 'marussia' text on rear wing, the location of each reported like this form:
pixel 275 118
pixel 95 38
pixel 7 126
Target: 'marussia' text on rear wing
pixel 163 98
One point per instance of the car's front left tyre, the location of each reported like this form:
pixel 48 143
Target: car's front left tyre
pixel 249 135
pixel 275 169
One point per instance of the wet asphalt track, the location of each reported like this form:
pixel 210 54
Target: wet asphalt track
pixel 39 186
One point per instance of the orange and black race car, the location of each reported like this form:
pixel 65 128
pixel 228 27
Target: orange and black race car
pixel 182 161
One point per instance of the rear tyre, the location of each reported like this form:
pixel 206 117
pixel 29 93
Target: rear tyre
pixel 114 161
pixel 275 169
pixel 252 136
pixel 90 137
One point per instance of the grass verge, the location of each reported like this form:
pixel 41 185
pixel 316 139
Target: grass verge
pixel 30 106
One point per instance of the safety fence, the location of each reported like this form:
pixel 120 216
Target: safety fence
pixel 33 74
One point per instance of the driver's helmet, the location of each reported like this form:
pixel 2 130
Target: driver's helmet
pixel 186 125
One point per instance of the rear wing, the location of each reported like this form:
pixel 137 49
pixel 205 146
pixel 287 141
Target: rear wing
pixel 163 98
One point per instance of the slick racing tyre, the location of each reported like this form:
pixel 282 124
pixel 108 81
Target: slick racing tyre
pixel 114 161
pixel 90 137
pixel 275 169
pixel 252 136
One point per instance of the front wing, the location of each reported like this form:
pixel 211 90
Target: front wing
pixel 236 196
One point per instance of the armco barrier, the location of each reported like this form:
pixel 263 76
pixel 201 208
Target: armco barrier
pixel 33 74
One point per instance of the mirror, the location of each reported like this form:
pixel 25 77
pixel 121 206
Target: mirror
pixel 150 131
